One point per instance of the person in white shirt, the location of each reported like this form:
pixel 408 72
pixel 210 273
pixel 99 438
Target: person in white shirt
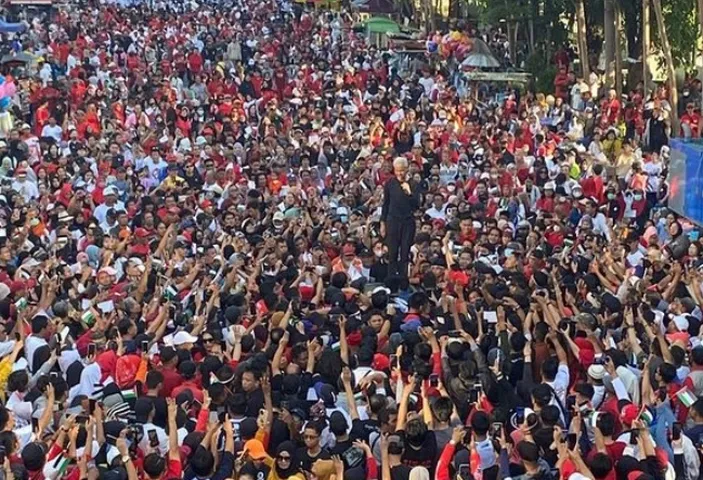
pixel 110 201
pixel 51 129
pixel 154 436
pixel 427 82
pixel 24 186
pixel 438 210
pixel 155 164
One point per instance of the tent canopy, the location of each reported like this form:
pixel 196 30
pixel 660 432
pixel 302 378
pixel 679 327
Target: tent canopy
pixel 480 56
pixel 381 25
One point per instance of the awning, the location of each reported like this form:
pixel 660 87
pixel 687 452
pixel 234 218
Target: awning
pixel 381 25
pixel 19 58
pixel 480 76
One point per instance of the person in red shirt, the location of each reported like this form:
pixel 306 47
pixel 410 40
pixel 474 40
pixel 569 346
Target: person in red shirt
pixel 195 61
pixel 172 379
pixel 613 107
pixel 188 371
pixel 692 120
pixel 546 202
pixel 561 83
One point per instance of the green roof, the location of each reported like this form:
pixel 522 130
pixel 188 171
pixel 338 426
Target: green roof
pixel 382 25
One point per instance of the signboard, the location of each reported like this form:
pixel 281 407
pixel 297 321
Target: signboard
pixel 480 76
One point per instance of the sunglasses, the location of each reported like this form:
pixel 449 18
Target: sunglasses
pixel 284 459
pixel 208 340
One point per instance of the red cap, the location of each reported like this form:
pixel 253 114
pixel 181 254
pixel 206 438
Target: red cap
pixel 381 362
pixel 354 338
pixel 205 204
pixel 141 232
pixel 17 285
pixel 175 210
pixel 629 413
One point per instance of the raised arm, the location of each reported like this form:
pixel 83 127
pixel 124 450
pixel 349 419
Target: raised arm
pixel 349 392
pixel 173 451
pixel 403 407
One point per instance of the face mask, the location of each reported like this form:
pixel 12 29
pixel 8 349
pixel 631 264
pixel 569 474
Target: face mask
pixel 611 196
pixel 578 194
pixel 378 253
pixel 451 188
pixel 637 197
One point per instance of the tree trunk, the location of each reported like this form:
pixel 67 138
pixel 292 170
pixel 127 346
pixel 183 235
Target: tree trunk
pixel 666 48
pixel 646 39
pixel 609 42
pixel 582 41
pixel 618 51
pixel 513 44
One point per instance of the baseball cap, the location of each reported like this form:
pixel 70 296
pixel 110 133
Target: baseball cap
pixel 255 449
pixel 183 337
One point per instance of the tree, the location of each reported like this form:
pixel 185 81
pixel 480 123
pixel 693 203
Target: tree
pixel 666 48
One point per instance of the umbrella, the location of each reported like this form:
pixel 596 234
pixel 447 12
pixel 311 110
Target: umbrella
pixel 480 56
pixel 19 58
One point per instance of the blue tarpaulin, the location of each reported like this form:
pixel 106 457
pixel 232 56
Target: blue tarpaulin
pixel 6 27
pixel 686 179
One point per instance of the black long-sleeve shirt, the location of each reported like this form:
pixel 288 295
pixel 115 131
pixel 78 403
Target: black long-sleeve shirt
pixel 397 203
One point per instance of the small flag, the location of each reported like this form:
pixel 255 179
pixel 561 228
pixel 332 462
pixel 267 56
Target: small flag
pixel 21 304
pixel 646 416
pixel 170 293
pixel 88 318
pixel 686 397
pixel 129 394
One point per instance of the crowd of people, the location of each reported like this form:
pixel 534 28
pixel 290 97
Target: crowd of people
pixel 236 244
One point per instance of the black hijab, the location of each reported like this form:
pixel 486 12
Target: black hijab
pixel 293 467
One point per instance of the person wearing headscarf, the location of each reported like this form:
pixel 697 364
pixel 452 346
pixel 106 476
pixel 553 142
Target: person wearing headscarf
pixel 286 466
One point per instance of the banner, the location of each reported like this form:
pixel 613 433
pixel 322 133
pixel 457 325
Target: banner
pixel 686 179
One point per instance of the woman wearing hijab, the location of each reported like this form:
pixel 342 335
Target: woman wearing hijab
pixel 286 466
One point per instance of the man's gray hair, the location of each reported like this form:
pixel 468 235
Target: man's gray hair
pixel 400 162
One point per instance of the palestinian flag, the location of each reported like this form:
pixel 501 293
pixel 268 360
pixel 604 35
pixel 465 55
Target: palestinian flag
pixel 88 318
pixel 646 416
pixel 686 397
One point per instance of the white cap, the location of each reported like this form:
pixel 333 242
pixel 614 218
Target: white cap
pixel 183 337
pixel 681 323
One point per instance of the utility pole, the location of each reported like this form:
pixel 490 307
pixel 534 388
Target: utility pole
pixel 645 45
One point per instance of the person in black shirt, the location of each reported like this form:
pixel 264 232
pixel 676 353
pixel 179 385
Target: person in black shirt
pixel 401 197
pixel 312 451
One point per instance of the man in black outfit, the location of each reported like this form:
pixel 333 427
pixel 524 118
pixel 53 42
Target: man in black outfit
pixel 401 197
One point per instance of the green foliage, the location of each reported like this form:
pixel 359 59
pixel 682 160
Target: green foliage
pixel 682 28
pixel 543 72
